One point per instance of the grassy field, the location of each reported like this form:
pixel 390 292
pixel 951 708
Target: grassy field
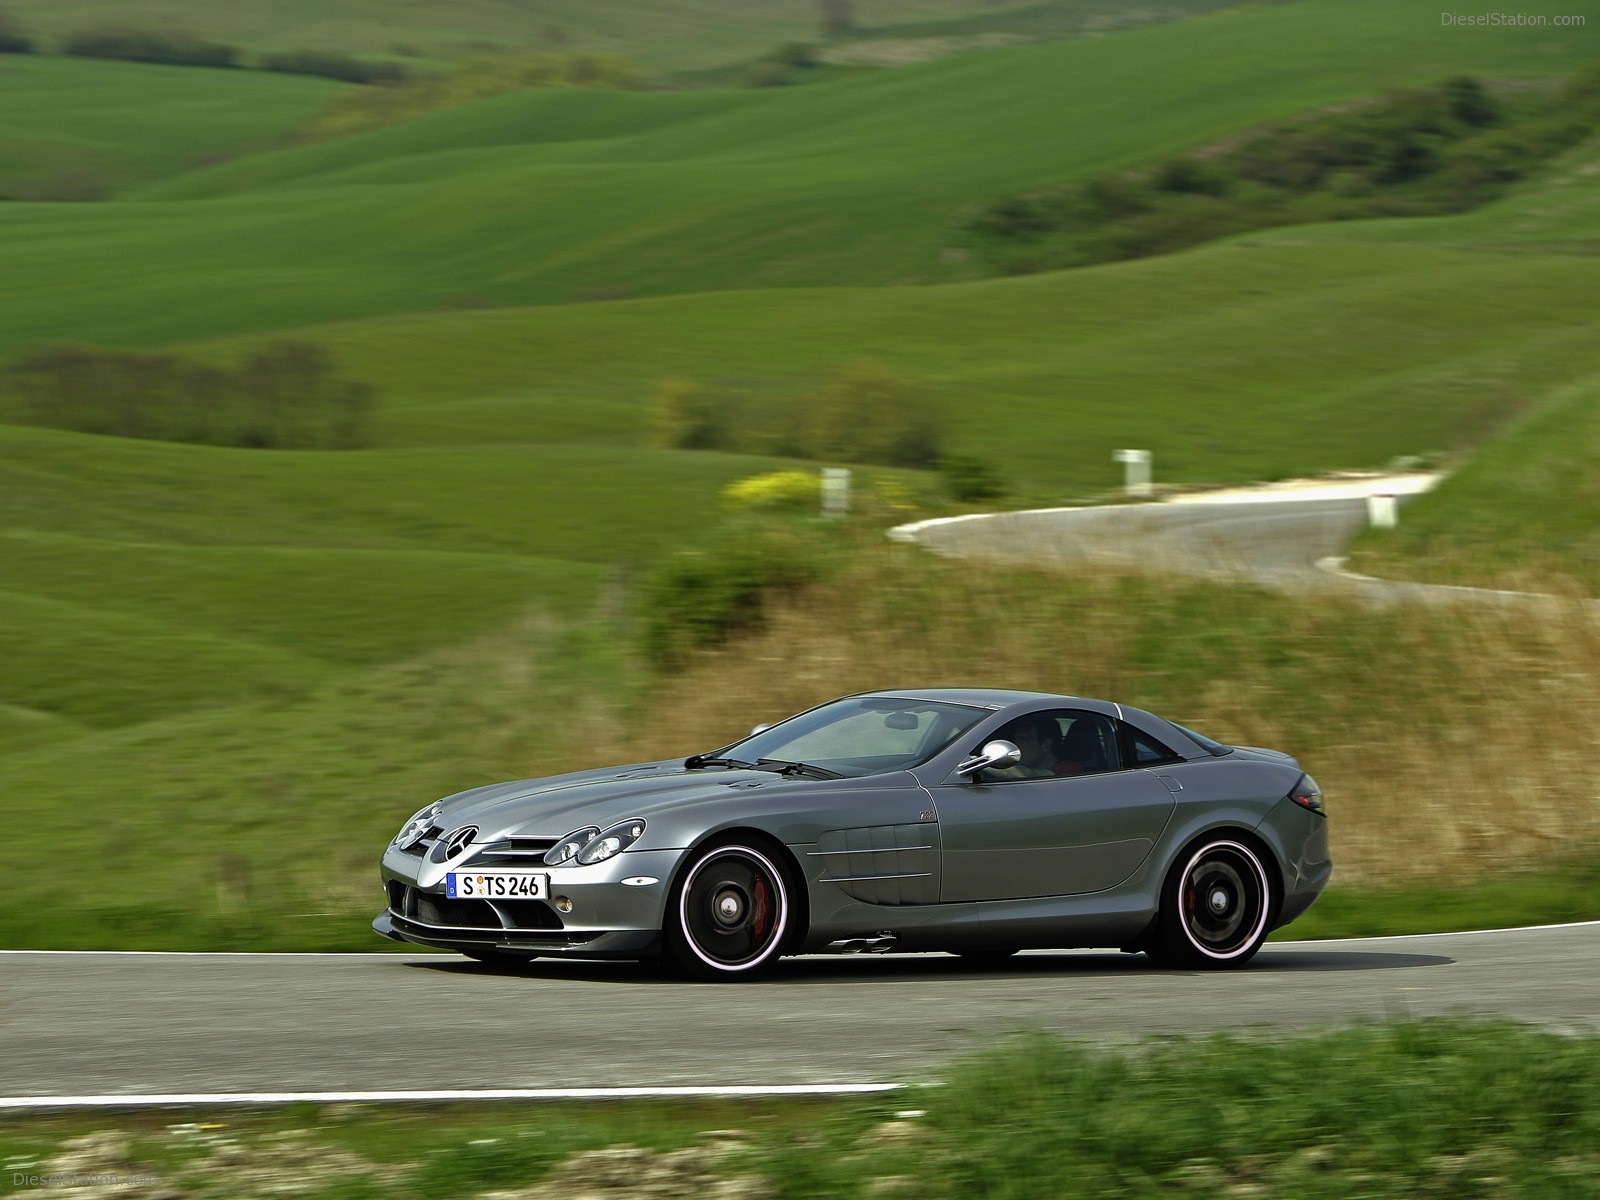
pixel 79 124
pixel 1416 1108
pixel 860 182
pixel 664 34
pixel 1523 513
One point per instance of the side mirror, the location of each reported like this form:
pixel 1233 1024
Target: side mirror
pixel 997 755
pixel 762 728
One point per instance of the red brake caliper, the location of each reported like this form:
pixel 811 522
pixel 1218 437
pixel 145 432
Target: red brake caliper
pixel 762 918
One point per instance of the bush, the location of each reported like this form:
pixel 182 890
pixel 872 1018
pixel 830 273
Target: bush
pixel 13 38
pixel 971 479
pixel 776 491
pixel 1411 153
pixel 174 48
pixel 1190 175
pixel 72 186
pixel 335 66
pixel 473 79
pixel 868 414
pixel 1470 103
pixel 687 416
pixel 698 599
pixel 285 396
pixel 864 414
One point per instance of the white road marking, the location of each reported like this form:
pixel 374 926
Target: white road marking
pixel 208 1099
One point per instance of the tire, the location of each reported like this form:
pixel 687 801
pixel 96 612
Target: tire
pixel 1216 906
pixel 730 916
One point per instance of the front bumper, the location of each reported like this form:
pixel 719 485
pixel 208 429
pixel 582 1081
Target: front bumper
pixel 608 918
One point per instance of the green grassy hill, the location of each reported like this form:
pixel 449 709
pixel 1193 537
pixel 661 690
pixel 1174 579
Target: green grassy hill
pixel 144 579
pixel 665 34
pixel 1523 513
pixel 864 181
pixel 78 125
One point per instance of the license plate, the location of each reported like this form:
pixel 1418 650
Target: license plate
pixel 497 885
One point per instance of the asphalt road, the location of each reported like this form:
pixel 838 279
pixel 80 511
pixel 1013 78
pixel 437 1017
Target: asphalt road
pixel 98 1024
pixel 1266 539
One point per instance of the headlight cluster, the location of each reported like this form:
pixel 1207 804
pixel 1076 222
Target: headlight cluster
pixel 594 845
pixel 411 832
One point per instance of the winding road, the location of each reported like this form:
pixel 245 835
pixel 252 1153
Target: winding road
pixel 1271 533
pixel 127 1025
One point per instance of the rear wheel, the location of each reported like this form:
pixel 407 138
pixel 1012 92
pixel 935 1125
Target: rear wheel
pixel 1215 907
pixel 730 915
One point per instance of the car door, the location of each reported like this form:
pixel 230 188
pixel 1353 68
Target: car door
pixel 1055 826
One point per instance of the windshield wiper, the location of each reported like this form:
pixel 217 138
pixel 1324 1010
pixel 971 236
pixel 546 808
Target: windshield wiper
pixel 784 767
pixel 713 760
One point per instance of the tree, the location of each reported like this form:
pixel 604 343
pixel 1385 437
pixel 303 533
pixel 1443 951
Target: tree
pixel 13 38
pixel 685 416
pixel 838 16
pixel 868 414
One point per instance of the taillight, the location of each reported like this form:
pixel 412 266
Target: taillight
pixel 1307 794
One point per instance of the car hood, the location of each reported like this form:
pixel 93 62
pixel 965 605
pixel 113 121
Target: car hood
pixel 556 806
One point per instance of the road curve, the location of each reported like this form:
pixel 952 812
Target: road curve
pixel 1264 540
pixel 140 1024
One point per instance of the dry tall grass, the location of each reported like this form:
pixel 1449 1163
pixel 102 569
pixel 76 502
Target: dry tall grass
pixel 1448 740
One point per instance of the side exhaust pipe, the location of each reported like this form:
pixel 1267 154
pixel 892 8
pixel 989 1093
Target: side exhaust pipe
pixel 880 943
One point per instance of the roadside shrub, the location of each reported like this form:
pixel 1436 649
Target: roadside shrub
pixel 13 38
pixel 971 479
pixel 286 395
pixel 700 598
pixel 777 491
pixel 172 47
pixel 328 65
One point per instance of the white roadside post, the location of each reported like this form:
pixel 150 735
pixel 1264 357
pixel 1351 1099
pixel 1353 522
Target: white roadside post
pixel 1383 511
pixel 835 491
pixel 1136 474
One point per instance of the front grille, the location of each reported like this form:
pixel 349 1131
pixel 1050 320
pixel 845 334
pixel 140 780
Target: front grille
pixel 530 914
pixel 434 909
pixel 441 910
pixel 514 852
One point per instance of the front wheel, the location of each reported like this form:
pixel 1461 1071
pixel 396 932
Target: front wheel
pixel 1214 908
pixel 730 916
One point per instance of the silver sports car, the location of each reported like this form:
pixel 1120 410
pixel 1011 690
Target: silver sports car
pixel 974 821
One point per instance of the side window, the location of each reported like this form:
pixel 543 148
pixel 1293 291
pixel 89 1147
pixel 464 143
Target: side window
pixel 1143 750
pixel 1058 743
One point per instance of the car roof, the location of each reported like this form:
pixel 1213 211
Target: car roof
pixel 980 697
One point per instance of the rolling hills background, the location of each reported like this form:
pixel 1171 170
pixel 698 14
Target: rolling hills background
pixel 281 646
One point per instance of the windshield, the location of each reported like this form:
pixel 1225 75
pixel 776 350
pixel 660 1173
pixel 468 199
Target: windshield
pixel 864 735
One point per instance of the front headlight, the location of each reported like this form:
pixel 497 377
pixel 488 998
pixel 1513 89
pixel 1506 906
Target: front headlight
pixel 411 832
pixel 567 848
pixel 611 843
